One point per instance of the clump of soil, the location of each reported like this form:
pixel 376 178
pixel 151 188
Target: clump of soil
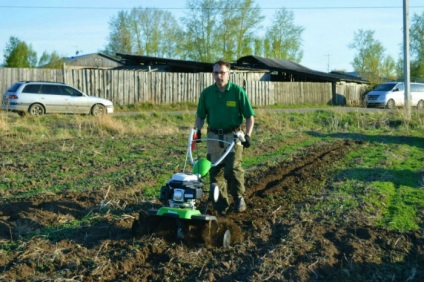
pixel 274 240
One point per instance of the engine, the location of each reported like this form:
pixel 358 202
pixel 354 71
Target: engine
pixel 183 190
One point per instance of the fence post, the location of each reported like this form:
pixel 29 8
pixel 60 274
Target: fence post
pixel 64 73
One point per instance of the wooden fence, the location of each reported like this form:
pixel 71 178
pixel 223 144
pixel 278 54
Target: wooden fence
pixel 125 87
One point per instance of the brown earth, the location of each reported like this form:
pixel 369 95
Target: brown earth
pixel 280 238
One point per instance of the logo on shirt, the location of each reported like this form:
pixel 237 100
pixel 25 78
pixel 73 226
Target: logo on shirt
pixel 231 104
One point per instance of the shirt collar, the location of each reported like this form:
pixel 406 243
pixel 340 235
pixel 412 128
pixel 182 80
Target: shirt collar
pixel 227 88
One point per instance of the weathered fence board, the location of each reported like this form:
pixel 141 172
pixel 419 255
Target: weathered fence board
pixel 126 87
pixel 351 95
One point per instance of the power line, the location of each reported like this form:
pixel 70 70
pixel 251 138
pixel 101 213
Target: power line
pixel 178 8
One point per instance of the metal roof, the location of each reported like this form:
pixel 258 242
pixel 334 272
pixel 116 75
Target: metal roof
pixel 292 70
pixel 79 57
pixel 176 65
pixel 296 70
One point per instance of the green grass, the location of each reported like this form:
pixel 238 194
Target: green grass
pixel 279 153
pixel 148 107
pixel 382 179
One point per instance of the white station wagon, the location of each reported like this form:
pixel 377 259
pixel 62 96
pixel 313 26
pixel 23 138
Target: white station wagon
pixel 38 98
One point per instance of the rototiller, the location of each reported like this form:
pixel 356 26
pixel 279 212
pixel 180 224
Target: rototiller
pixel 181 196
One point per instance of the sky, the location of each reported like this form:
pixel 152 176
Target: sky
pixel 71 26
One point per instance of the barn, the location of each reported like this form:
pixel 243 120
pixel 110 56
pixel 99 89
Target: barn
pixel 92 61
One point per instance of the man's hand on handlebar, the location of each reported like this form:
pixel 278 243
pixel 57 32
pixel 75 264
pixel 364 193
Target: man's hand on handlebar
pixel 198 135
pixel 246 142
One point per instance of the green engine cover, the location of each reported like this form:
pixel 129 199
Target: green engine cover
pixel 202 167
pixel 177 212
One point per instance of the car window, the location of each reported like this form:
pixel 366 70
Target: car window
pixel 400 87
pixel 70 91
pixel 14 87
pixel 417 87
pixel 385 87
pixel 51 89
pixel 32 88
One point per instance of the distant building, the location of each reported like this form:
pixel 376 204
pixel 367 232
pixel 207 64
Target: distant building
pixel 148 63
pixel 282 70
pixel 92 61
pixel 273 69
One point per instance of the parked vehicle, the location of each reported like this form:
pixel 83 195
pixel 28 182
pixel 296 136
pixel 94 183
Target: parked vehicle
pixel 392 95
pixel 38 98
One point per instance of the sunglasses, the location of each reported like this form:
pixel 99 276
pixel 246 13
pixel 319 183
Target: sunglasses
pixel 219 72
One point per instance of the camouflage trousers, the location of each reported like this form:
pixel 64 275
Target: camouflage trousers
pixel 229 174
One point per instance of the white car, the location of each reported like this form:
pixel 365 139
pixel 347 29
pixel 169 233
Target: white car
pixel 38 98
pixel 392 95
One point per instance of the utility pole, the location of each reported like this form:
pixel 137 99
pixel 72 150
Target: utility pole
pixel 406 64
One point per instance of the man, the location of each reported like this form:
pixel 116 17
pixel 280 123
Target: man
pixel 224 105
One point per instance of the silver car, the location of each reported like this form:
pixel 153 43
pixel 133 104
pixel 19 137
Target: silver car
pixel 392 95
pixel 38 98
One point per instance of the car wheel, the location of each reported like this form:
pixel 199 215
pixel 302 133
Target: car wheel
pixel 420 105
pixel 391 104
pixel 36 110
pixel 22 114
pixel 98 110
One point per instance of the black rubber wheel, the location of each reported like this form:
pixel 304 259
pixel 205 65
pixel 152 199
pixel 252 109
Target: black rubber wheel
pixel 391 104
pixel 98 110
pixel 420 105
pixel 36 110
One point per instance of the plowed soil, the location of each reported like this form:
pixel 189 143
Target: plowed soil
pixel 278 240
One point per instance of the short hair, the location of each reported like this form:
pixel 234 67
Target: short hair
pixel 223 63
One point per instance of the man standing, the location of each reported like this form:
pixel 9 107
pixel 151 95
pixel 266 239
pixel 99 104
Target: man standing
pixel 224 105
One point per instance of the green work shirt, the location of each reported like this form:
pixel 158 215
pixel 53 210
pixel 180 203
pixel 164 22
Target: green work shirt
pixel 224 110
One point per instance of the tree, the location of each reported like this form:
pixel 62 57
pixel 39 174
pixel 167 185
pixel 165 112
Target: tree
pixel 221 29
pixel 171 46
pixel 283 38
pixel 370 61
pixel 211 29
pixel 148 32
pixel 155 32
pixel 240 21
pixel 417 47
pixel 201 30
pixel 119 35
pixel 18 54
pixel 51 61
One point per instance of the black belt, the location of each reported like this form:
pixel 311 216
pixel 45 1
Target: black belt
pixel 223 131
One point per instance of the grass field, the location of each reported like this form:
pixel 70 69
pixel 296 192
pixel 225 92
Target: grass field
pixel 331 195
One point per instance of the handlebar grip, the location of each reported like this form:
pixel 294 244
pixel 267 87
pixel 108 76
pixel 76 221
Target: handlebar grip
pixel 240 136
